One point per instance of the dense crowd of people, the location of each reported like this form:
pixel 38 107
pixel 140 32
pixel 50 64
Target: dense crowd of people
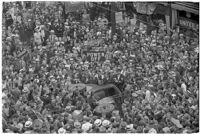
pixel 44 53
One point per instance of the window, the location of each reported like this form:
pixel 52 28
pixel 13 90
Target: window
pixel 188 15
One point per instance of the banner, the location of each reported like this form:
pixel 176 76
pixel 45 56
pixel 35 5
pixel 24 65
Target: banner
pixel 95 55
pixel 118 17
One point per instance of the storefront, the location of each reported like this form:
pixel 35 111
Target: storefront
pixel 186 16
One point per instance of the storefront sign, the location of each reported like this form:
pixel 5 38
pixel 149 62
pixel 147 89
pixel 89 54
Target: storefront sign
pixel 188 23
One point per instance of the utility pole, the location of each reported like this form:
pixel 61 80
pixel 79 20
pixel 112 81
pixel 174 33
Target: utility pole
pixel 113 22
pixel 170 5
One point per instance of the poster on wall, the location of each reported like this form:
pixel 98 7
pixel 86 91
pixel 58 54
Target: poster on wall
pixel 118 17
pixel 133 21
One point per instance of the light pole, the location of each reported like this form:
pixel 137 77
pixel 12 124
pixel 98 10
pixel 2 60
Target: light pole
pixel 113 22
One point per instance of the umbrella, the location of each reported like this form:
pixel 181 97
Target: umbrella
pixel 104 108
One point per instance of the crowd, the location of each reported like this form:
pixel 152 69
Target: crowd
pixel 44 52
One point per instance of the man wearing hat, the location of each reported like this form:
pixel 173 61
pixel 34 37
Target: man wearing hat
pixel 119 79
pixel 9 20
pixel 29 29
pixel 52 37
pixel 59 29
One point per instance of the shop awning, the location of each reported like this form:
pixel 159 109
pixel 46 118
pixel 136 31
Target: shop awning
pixel 191 7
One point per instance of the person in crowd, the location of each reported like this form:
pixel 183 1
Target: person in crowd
pixel 157 74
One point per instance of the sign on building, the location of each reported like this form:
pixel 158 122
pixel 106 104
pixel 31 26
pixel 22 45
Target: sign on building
pixel 188 23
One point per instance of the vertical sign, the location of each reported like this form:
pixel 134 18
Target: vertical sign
pixel 118 17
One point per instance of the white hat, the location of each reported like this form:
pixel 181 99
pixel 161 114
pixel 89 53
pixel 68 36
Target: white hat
pixel 106 123
pixel 25 90
pixel 194 107
pixel 77 124
pixel 130 126
pixel 4 95
pixel 166 129
pixel 52 31
pixel 28 123
pixel 20 125
pixel 98 33
pixel 152 131
pixel 185 131
pixel 86 126
pixel 61 131
pixel 173 95
pixel 97 122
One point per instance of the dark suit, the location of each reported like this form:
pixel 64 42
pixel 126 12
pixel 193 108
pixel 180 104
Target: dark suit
pixel 119 81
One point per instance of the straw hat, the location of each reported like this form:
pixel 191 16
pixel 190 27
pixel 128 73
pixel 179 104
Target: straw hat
pixel 77 124
pixel 97 122
pixel 52 31
pixel 86 126
pixel 166 130
pixel 20 126
pixel 28 124
pixel 106 123
pixel 61 131
pixel 152 131
pixel 25 90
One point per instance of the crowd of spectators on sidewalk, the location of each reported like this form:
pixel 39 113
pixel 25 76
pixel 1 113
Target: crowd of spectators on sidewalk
pixel 43 53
